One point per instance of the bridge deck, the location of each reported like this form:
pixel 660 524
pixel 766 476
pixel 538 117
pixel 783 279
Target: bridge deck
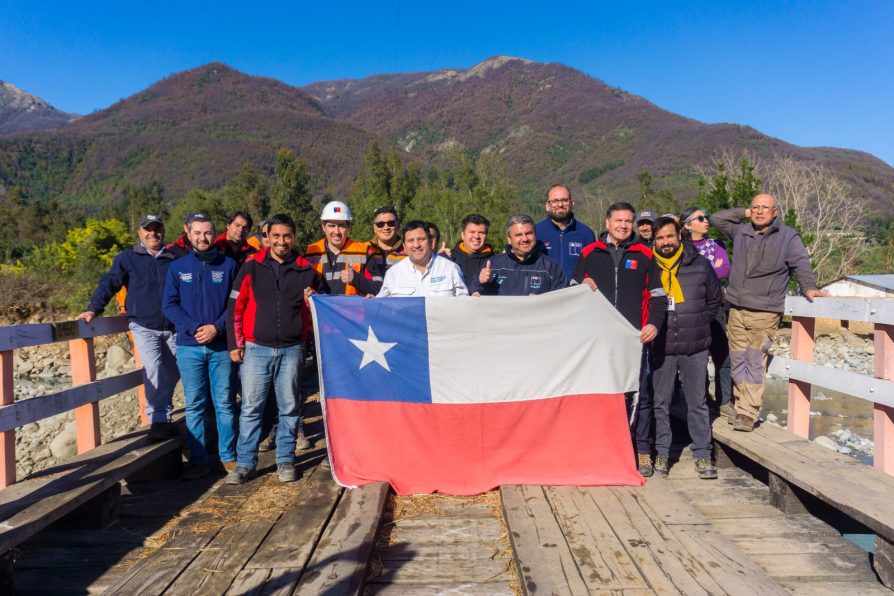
pixel 677 535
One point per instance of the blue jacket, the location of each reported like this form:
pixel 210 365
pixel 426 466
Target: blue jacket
pixel 196 294
pixel 144 277
pixel 536 274
pixel 565 245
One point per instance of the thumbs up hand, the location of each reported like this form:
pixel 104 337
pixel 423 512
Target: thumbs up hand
pixel 444 250
pixel 347 276
pixel 485 273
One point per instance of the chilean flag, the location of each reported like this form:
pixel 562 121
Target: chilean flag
pixel 459 395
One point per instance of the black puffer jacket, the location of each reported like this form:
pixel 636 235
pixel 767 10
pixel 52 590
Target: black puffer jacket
pixel 687 329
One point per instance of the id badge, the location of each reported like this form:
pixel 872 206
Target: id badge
pixel 671 305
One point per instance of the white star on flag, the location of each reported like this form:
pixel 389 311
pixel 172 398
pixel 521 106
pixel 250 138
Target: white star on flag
pixel 373 349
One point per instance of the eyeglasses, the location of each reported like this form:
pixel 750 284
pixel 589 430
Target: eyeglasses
pixel 760 208
pixel 557 202
pixel 698 218
pixel 392 223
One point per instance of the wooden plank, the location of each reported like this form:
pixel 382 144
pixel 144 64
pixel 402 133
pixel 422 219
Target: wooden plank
pixel 809 567
pixel 835 588
pixel 34 409
pixel 7 436
pixel 601 558
pixel 294 536
pixel 799 391
pixel 738 511
pixel 23 336
pixel 338 565
pixel 443 552
pixel 543 559
pixel 883 415
pixel 83 371
pixel 464 589
pixel 429 571
pixel 867 310
pixel 445 530
pixel 29 506
pixel 269 582
pixel 879 391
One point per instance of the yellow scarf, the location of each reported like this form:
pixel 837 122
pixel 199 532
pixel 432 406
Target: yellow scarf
pixel 669 267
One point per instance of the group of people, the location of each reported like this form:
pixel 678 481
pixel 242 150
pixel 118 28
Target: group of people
pixel 230 313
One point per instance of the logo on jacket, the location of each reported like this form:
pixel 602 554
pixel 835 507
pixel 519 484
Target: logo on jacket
pixel 438 279
pixel 574 248
pixel 631 264
pixel 535 282
pixel 186 277
pixel 217 277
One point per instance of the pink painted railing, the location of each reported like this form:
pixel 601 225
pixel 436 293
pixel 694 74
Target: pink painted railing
pixel 802 373
pixel 84 395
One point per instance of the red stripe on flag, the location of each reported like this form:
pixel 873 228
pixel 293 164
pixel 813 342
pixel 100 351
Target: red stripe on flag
pixel 467 449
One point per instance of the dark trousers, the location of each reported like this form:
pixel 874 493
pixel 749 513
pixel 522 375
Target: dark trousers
pixel 643 437
pixel 693 371
pixel 719 350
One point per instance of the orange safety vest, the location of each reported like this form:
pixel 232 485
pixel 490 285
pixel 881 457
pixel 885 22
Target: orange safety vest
pixel 353 255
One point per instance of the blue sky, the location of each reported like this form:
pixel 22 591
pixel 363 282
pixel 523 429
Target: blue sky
pixel 812 73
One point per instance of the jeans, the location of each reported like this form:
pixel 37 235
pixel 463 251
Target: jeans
pixel 262 367
pixel 206 370
pixel 157 350
pixel 693 369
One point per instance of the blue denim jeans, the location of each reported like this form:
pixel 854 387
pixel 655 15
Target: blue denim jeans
pixel 157 351
pixel 261 368
pixel 206 372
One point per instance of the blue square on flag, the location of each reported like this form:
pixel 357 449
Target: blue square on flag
pixel 381 346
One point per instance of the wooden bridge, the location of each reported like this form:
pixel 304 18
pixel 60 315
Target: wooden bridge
pixel 116 519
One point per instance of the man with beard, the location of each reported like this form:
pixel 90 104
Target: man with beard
pixel 693 299
pixel 195 300
pixel 561 234
pixel 522 270
pixel 472 251
pixel 623 269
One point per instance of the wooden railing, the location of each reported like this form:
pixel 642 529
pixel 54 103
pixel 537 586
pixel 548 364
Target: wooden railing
pixel 84 395
pixel 802 373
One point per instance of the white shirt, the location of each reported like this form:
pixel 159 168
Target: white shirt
pixel 442 277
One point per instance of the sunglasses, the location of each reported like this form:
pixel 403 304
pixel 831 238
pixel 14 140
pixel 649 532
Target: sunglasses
pixel 390 223
pixel 698 218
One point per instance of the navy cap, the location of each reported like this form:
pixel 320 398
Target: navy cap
pixel 151 219
pixel 647 214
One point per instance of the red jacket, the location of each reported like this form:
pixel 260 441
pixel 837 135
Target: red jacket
pixel 237 255
pixel 270 310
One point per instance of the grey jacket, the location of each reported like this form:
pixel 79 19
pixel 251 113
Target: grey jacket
pixel 763 263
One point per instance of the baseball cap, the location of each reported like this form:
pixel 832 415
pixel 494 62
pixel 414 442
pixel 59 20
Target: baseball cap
pixel 195 217
pixel 647 214
pixel 148 220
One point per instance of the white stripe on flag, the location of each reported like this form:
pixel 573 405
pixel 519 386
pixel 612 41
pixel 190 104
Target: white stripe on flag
pixel 519 348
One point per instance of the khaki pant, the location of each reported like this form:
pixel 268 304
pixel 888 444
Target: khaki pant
pixel 750 336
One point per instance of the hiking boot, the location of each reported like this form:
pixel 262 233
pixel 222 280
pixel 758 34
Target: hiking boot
pixel 301 442
pixel 268 444
pixel 729 411
pixel 324 463
pixel 645 464
pixel 161 431
pixel 195 472
pixel 239 475
pixel 228 466
pixel 705 469
pixel 661 466
pixel 744 423
pixel 286 472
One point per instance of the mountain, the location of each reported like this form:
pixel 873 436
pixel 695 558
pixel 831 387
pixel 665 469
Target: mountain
pixel 20 111
pixel 553 123
pixel 548 122
pixel 194 129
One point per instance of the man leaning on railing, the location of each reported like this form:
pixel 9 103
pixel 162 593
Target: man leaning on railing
pixel 142 270
pixel 766 253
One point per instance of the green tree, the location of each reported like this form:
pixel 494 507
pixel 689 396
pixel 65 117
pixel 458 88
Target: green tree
pixel 291 194
pixel 139 202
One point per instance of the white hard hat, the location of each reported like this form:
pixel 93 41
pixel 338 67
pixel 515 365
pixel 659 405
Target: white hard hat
pixel 336 211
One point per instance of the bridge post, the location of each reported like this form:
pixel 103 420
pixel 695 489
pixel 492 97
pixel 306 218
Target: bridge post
pixel 883 416
pixel 799 391
pixel 83 370
pixel 141 390
pixel 8 439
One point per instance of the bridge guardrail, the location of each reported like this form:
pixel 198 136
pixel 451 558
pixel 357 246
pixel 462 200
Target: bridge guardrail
pixel 84 395
pixel 802 373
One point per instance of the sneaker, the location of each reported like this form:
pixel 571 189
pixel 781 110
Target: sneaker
pixel 161 431
pixel 301 442
pixel 286 472
pixel 705 469
pixel 661 466
pixel 268 444
pixel 239 475
pixel 195 472
pixel 645 464
pixel 743 423
pixel 228 466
